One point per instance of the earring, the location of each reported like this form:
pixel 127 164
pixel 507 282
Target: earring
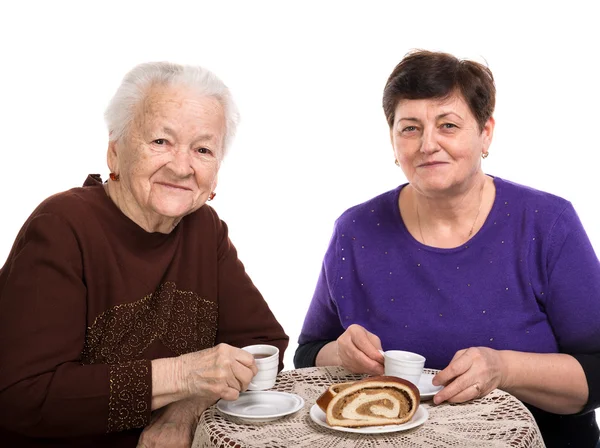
pixel 114 177
pixel 212 196
pixel 484 155
pixel 396 162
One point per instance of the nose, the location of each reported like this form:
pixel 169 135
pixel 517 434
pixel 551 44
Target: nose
pixel 181 163
pixel 430 144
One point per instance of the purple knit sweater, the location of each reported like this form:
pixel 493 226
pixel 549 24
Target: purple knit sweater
pixel 529 280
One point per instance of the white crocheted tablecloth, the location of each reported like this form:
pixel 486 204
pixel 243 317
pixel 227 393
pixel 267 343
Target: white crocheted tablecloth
pixel 496 420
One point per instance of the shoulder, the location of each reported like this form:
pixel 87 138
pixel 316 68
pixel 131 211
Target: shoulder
pixel 530 198
pixel 205 223
pixel 381 207
pixel 73 204
pixel 542 213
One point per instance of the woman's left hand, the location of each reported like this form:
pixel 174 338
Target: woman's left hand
pixel 173 426
pixel 472 373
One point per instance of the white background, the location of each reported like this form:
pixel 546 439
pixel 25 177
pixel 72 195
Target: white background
pixel 308 78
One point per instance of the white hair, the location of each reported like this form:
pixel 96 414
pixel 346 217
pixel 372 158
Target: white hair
pixel 136 84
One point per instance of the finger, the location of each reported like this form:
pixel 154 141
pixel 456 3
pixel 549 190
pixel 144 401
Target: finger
pixel 374 339
pixel 458 354
pixel 230 394
pixel 243 375
pixel 470 393
pixel 453 389
pixel 358 362
pixel 458 366
pixel 370 366
pixel 244 357
pixel 364 344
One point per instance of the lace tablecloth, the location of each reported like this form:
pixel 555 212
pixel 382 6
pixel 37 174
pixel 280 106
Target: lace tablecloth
pixel 496 420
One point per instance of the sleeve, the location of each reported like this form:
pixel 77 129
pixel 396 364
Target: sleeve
pixel 573 286
pixel 306 354
pixel 573 304
pixel 322 321
pixel 244 316
pixel 45 391
pixel 591 368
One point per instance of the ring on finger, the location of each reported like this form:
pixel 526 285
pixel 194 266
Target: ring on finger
pixel 478 389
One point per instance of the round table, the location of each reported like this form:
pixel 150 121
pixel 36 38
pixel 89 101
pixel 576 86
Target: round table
pixel 496 420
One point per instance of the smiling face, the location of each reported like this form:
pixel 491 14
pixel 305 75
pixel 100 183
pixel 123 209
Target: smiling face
pixel 438 144
pixel 169 159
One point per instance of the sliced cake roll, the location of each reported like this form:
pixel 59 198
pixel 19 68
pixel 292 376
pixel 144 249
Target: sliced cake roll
pixel 374 401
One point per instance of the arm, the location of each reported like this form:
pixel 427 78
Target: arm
pixel 324 341
pixel 244 316
pixel 45 391
pixel 306 354
pixel 591 367
pixel 322 324
pixel 553 382
pixel 174 424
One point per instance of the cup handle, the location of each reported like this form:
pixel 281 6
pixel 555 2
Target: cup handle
pixel 382 352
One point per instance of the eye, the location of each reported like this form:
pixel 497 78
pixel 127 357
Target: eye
pixel 409 129
pixel 449 126
pixel 204 151
pixel 160 141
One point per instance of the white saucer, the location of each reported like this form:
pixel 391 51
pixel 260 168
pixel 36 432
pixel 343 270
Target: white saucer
pixel 420 417
pixel 261 406
pixel 426 389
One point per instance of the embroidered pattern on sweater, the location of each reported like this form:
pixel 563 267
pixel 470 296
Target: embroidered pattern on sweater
pixel 182 320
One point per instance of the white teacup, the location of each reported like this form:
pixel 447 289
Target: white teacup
pixel 266 358
pixel 405 365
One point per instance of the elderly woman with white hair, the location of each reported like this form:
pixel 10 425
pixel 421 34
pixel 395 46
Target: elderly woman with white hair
pixel 123 304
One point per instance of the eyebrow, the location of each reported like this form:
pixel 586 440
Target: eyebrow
pixel 437 117
pixel 200 138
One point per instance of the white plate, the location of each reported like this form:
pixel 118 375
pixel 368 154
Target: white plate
pixel 420 417
pixel 426 389
pixel 261 406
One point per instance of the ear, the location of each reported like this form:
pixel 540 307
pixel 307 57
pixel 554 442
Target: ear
pixel 112 158
pixel 488 133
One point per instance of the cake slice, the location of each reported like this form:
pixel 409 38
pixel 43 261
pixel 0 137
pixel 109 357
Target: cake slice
pixel 374 401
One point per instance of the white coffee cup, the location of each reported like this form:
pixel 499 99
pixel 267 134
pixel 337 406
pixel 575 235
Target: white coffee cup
pixel 266 358
pixel 405 365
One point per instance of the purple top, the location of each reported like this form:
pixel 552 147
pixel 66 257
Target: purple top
pixel 529 280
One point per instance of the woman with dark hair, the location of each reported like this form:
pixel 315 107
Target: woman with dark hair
pixel 495 283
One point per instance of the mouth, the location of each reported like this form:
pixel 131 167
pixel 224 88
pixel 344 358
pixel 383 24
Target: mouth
pixel 173 186
pixel 429 164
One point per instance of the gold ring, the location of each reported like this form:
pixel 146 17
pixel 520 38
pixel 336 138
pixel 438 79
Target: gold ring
pixel 478 389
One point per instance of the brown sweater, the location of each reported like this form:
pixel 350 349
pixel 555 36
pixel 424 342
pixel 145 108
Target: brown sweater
pixel 88 298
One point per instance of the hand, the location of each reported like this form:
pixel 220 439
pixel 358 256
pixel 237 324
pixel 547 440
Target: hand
pixel 173 426
pixel 218 372
pixel 472 373
pixel 358 350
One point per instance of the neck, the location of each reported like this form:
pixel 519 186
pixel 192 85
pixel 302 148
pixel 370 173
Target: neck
pixel 450 220
pixel 150 222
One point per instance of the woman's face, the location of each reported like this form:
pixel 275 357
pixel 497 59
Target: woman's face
pixel 438 144
pixel 169 159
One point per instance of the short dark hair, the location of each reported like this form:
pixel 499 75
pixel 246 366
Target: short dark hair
pixel 425 74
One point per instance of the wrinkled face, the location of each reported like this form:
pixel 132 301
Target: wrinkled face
pixel 438 144
pixel 168 161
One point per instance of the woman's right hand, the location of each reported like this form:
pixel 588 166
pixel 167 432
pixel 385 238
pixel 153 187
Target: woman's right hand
pixel 219 372
pixel 358 351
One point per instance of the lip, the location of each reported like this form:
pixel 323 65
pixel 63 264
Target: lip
pixel 174 186
pixel 428 164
